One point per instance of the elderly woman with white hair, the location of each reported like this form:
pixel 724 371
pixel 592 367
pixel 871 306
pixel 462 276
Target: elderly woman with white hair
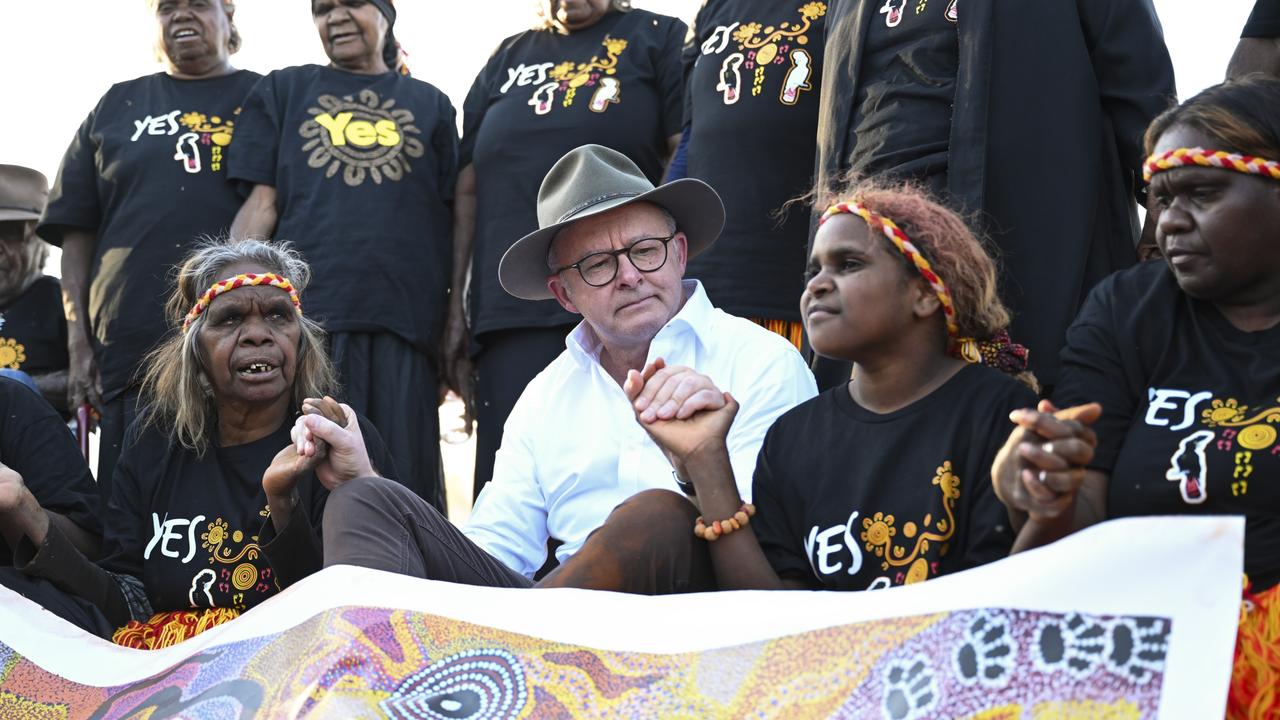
pixel 208 515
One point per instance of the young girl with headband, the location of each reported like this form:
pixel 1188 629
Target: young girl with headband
pixel 883 480
pixel 1182 356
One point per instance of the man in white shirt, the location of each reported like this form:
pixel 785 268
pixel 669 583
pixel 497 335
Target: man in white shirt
pixel 612 248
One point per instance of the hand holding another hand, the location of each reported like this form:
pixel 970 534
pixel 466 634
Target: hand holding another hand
pixel 1042 465
pixel 329 423
pixel 683 411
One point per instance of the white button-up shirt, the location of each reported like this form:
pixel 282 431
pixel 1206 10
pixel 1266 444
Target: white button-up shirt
pixel 572 449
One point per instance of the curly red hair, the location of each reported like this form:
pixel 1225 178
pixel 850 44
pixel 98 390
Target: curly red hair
pixel 958 255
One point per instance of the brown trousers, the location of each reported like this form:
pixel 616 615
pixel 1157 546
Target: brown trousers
pixel 646 546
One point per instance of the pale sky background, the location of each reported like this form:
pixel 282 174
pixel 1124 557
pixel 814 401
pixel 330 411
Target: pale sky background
pixel 57 57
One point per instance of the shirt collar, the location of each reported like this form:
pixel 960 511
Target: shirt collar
pixel 695 317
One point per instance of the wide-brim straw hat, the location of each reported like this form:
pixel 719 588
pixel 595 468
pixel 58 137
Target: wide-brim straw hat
pixel 593 179
pixel 23 193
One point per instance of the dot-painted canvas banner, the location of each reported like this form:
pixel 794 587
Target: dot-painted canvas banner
pixel 1131 619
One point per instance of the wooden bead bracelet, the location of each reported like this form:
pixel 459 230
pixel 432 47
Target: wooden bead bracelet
pixel 740 519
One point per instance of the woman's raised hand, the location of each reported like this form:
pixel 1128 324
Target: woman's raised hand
pixel 289 464
pixel 328 422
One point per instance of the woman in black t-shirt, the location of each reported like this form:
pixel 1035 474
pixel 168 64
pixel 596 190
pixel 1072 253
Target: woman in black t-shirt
pixel 144 177
pixel 594 72
pixel 884 480
pixel 354 163
pixel 752 73
pixel 1184 358
pixel 209 516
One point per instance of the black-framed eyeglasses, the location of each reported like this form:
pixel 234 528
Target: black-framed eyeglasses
pixel 600 268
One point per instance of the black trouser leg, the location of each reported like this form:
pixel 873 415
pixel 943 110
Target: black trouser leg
pixel 508 360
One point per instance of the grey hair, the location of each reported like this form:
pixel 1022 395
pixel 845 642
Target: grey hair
pixel 176 394
pixel 546 22
pixel 672 229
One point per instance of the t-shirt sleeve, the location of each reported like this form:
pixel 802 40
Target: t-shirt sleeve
pixel 779 541
pixel 671 77
pixel 256 146
pixel 36 444
pixel 474 108
pixel 73 200
pixel 1093 370
pixel 1264 21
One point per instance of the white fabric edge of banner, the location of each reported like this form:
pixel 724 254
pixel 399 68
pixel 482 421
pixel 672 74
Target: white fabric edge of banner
pixel 1191 574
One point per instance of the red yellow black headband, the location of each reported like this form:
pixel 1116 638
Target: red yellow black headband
pixel 998 351
pixel 239 281
pixel 890 229
pixel 1187 157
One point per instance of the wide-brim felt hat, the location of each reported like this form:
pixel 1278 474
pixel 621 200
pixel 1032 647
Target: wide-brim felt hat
pixel 23 193
pixel 593 179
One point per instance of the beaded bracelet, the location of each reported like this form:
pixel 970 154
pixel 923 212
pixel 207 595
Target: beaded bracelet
pixel 740 519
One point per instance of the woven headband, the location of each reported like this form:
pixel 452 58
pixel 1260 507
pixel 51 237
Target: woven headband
pixel 1187 157
pixel 998 351
pixel 890 229
pixel 234 283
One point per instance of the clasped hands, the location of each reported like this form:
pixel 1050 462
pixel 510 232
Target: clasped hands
pixel 682 410
pixel 1042 465
pixel 327 440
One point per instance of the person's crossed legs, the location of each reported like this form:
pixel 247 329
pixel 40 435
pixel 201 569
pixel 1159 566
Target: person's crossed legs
pixel 646 545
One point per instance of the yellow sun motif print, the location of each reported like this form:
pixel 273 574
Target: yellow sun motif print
pixel 746 32
pixel 1223 413
pixel 216 534
pixel 572 76
pixel 879 531
pixel 1256 431
pixel 219 130
pixel 12 353
pixel 219 535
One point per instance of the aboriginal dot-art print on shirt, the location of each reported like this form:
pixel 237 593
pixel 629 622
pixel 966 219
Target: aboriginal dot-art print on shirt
pixel 753 69
pixel 1191 407
pixel 364 168
pixel 616 83
pixel 147 174
pixel 849 499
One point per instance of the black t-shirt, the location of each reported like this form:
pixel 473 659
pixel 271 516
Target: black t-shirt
pixel 902 116
pixel 849 499
pixel 189 527
pixel 752 73
pixel 1264 21
pixel 1191 407
pixel 147 173
pixel 36 444
pixel 617 83
pixel 33 330
pixel 364 169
